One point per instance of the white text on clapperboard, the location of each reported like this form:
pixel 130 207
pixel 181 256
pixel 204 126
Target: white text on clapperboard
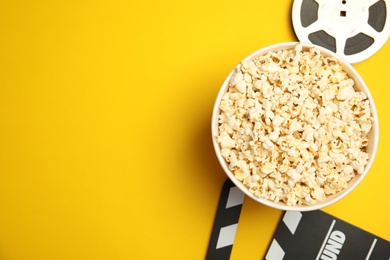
pixel 333 246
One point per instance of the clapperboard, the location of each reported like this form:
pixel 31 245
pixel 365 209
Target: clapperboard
pixel 318 235
pixel 300 235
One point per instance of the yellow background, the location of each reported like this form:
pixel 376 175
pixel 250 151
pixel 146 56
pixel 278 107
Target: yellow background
pixel 105 146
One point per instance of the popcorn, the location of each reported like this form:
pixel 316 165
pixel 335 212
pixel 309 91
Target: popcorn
pixel 292 127
pixel 225 140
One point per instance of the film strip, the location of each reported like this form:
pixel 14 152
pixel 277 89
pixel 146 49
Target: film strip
pixel 226 222
pixel 354 29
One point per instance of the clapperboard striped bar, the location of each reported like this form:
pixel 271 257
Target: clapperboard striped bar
pixel 226 222
pixel 318 235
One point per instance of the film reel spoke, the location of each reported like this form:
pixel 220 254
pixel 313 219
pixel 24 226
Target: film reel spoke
pixel 340 45
pixel 314 27
pixel 369 31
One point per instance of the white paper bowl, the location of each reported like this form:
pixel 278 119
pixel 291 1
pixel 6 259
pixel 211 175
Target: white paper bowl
pixel 371 148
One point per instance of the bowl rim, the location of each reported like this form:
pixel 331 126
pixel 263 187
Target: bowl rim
pixel 374 132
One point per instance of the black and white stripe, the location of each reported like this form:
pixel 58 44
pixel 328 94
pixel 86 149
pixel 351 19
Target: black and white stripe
pixel 226 222
pixel 291 220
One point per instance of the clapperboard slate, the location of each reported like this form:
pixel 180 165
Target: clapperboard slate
pixel 300 235
pixel 318 235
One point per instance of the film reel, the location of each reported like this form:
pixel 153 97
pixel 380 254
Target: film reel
pixel 354 29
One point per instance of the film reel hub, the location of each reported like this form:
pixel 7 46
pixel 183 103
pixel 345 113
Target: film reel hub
pixel 342 20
